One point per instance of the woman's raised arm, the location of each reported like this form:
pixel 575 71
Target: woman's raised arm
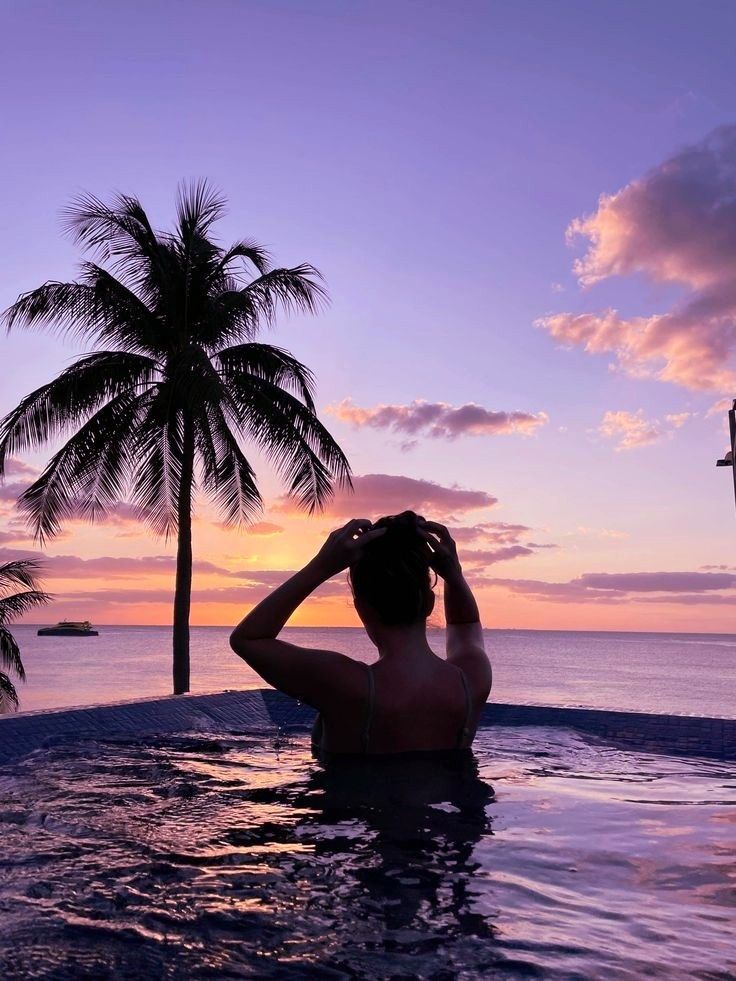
pixel 305 673
pixel 465 643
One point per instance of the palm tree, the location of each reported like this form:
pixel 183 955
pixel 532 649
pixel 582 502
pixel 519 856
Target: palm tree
pixel 180 382
pixel 22 573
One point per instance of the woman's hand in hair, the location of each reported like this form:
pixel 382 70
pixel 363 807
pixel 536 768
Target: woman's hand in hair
pixel 444 559
pixel 344 546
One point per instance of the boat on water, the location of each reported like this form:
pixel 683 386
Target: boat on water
pixel 69 628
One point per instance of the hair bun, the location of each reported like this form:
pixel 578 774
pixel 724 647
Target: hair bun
pixel 405 523
pixel 393 574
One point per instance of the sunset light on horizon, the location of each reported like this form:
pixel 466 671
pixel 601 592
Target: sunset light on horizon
pixel 526 221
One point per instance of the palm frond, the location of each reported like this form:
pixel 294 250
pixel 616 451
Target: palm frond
pixel 198 206
pixel 237 314
pixel 8 694
pixel 121 233
pixel 98 308
pixel 269 363
pixel 109 230
pixel 20 572
pixel 18 604
pixel 89 472
pixel 247 250
pixel 66 402
pixel 10 658
pixel 297 444
pixel 296 290
pixel 158 451
pixel 229 477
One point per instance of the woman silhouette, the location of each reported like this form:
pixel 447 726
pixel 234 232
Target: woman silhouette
pixel 410 700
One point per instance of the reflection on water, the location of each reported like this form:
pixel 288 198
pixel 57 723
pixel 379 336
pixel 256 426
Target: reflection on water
pixel 398 837
pixel 220 857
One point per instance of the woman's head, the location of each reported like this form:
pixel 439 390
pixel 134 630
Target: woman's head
pixel 392 580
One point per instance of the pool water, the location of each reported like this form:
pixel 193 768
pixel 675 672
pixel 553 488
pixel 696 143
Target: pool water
pixel 225 856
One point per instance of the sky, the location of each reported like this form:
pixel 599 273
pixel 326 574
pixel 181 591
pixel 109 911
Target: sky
pixel 526 217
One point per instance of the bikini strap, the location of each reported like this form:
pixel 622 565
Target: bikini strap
pixel 371 705
pixel 464 736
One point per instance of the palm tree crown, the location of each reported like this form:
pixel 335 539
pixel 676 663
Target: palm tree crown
pixel 179 384
pixel 14 604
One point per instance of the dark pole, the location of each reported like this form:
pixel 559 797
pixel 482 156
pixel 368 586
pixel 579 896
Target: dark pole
pixel 729 459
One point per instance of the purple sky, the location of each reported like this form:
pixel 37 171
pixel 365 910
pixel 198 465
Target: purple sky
pixel 429 157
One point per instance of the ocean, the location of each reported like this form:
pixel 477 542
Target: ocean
pixel 693 674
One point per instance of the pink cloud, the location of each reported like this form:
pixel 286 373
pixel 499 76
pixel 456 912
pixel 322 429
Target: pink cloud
pixel 484 557
pixel 255 590
pixel 497 532
pixel 627 587
pixel 720 407
pixel 11 537
pixel 117 567
pixel 439 420
pixel 648 582
pixel 376 494
pixel 15 467
pixel 11 491
pixel 677 224
pixel 631 430
pixel 265 528
pixel 138 567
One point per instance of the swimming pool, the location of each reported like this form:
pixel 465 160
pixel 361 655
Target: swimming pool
pixel 222 855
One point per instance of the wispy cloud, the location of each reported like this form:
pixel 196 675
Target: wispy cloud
pixel 686 588
pixel 377 494
pixel 677 224
pixel 631 430
pixel 263 528
pixel 599 532
pixel 15 467
pixel 238 596
pixel 490 556
pixel 439 420
pixel 497 532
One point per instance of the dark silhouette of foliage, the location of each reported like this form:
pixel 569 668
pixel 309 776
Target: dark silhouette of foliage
pixel 178 383
pixel 14 604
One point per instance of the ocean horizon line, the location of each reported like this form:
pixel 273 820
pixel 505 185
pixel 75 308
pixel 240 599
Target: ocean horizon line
pixel 430 628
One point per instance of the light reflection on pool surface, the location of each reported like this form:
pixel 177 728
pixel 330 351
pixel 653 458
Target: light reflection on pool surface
pixel 224 856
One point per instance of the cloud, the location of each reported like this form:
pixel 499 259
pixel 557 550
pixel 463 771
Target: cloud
pixel 111 567
pixel 260 586
pixel 721 406
pixel 627 587
pixel 678 419
pixel 500 532
pixel 647 582
pixel 265 528
pixel 132 567
pixel 107 567
pixel 380 493
pixel 629 429
pixel 11 491
pixel 632 430
pixel 484 557
pixel 599 532
pixel 13 537
pixel 19 468
pixel 439 420
pixel 677 225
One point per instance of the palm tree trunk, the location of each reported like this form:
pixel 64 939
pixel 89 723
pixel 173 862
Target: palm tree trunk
pixel 183 591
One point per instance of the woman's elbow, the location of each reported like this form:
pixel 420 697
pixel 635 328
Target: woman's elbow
pixel 239 643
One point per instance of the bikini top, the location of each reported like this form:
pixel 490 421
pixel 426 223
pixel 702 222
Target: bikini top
pixel 464 736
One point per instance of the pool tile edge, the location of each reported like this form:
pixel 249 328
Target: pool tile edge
pixel 268 711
